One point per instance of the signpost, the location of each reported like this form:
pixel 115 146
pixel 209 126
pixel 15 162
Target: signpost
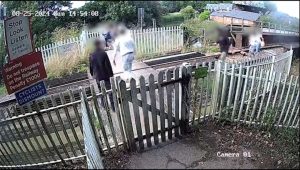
pixel 25 71
pixel 30 93
pixel 18 36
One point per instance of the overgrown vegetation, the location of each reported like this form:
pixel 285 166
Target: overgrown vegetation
pixel 204 15
pixel 64 33
pixel 172 19
pixel 194 31
pixel 188 12
pixel 74 62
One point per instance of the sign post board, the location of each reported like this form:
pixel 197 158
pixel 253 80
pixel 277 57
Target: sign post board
pixel 30 93
pixel 23 71
pixel 18 36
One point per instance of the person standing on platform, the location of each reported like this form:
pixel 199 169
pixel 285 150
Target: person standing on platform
pixel 124 46
pixel 100 68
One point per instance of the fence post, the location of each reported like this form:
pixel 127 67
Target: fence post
pixel 91 142
pixel 83 38
pixel 185 106
pixel 216 87
pixel 290 60
pixel 272 65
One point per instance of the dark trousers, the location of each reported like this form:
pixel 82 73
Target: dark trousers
pixel 108 87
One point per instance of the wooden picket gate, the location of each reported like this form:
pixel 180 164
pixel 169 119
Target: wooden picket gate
pixel 157 110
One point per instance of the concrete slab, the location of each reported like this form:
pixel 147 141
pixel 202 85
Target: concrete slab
pixel 186 154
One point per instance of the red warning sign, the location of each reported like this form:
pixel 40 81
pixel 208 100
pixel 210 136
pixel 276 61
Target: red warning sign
pixel 23 71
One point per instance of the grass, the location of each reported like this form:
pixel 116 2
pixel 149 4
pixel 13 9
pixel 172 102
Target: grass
pixel 2 90
pixel 61 66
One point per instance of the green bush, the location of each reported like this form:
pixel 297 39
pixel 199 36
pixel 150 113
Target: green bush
pixel 175 18
pixel 194 29
pixel 188 12
pixel 204 15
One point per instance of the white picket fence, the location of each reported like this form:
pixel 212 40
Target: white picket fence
pixel 279 63
pixel 148 42
pixel 59 49
pixel 158 40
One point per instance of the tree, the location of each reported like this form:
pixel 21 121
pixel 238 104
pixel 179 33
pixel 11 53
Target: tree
pixel 188 12
pixel 270 6
pixel 41 26
pixel 204 15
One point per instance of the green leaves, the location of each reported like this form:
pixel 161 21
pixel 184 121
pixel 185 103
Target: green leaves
pixel 201 72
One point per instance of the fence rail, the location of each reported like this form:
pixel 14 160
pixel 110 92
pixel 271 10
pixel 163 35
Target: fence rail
pixel 148 111
pixel 148 42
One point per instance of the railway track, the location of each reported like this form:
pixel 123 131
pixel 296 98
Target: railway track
pixel 162 63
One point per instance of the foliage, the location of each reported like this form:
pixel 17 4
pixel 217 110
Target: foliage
pixel 63 33
pixel 193 28
pixel 122 11
pixel 204 15
pixel 188 12
pixel 282 19
pixel 175 6
pixel 42 27
pixel 2 90
pixel 172 19
pixel 270 6
pixel 66 65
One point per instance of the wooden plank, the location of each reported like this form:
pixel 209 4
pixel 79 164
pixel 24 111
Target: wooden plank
pixel 250 95
pixel 277 90
pixel 223 89
pixel 106 106
pixel 238 88
pixel 230 88
pixel 297 116
pixel 286 99
pixel 263 95
pixel 63 101
pixel 256 97
pixel 291 100
pixel 98 113
pixel 118 109
pixel 177 98
pixel 169 105
pixel 280 99
pixel 243 94
pixel 55 129
pixel 161 106
pixel 145 110
pixel 37 143
pixel 153 107
pixel 136 113
pixel 293 110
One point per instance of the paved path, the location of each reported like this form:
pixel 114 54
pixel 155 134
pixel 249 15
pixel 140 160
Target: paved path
pixel 139 68
pixel 186 154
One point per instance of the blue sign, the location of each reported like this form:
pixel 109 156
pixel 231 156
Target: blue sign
pixel 31 93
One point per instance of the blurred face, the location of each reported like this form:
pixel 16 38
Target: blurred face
pixel 99 45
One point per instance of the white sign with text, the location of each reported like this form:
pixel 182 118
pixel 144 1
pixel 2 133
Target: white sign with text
pixel 18 36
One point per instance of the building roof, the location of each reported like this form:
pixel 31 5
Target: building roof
pixel 221 6
pixel 251 16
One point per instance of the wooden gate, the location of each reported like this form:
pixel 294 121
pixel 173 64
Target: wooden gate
pixel 155 109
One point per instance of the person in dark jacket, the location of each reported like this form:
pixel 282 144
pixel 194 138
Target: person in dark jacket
pixel 100 68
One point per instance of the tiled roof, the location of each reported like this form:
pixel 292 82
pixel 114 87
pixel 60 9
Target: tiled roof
pixel 221 6
pixel 251 16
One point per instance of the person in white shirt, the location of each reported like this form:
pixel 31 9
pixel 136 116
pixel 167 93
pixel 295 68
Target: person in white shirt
pixel 125 47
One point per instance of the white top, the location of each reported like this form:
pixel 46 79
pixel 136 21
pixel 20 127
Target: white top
pixel 124 44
